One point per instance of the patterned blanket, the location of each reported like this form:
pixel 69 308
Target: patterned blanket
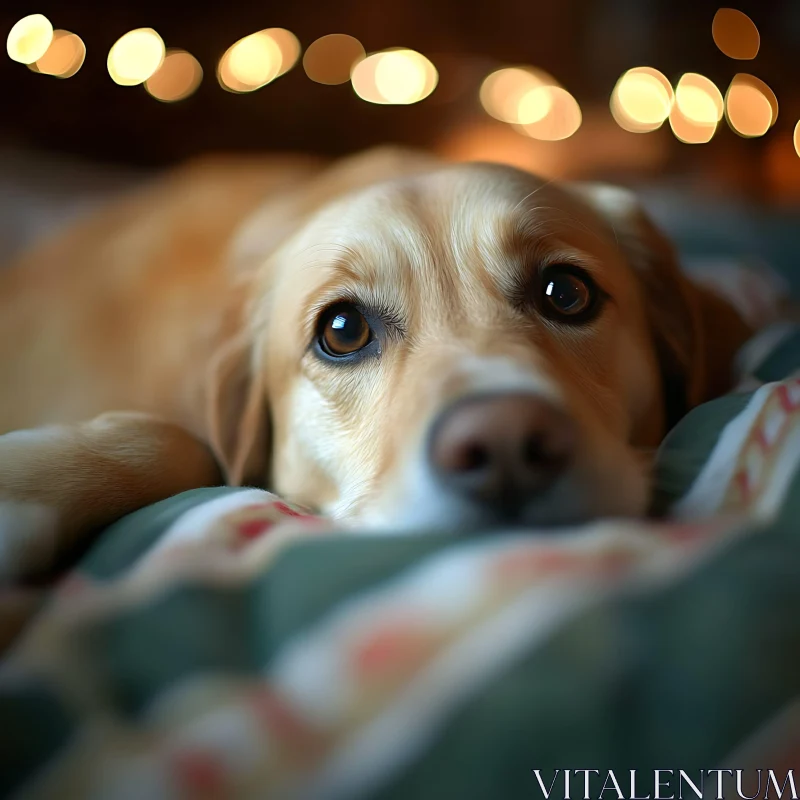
pixel 223 644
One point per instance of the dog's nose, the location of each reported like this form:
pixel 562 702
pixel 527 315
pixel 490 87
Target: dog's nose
pixel 501 450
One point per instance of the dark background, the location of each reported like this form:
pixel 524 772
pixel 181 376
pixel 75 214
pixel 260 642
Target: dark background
pixel 585 44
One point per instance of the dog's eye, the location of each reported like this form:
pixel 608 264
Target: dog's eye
pixel 343 331
pixel 569 293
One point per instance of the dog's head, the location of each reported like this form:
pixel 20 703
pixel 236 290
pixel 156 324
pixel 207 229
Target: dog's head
pixel 468 345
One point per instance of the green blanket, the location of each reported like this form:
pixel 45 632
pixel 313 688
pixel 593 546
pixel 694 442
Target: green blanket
pixel 218 645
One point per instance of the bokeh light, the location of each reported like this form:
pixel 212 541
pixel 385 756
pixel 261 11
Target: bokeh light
pixel 330 59
pixel 177 78
pixel 750 106
pixel 689 131
pixel 561 119
pixel 63 58
pixel 797 138
pixel 599 145
pixel 394 77
pixel 29 38
pixel 135 56
pixel 511 94
pixel 363 79
pixel 257 59
pixel 735 34
pixel 757 83
pixel 289 46
pixel 404 76
pixel 641 100
pixel 699 100
pixel 534 105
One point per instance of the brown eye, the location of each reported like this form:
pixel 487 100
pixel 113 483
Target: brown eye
pixel 343 331
pixel 569 294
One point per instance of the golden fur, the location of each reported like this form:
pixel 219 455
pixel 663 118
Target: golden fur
pixel 195 300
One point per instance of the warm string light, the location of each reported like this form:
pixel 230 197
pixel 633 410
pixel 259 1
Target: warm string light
pixel 751 107
pixel 697 108
pixel 560 115
pixel 641 100
pixel 512 94
pixel 688 130
pixel 330 59
pixel 135 56
pixel 643 97
pixel 394 77
pixel 699 100
pixel 63 58
pixel 528 99
pixel 29 39
pixel 176 79
pixel 532 101
pixel 289 45
pixel 735 34
pixel 257 59
pixel 250 63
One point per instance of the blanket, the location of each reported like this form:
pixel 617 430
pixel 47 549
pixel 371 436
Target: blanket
pixel 225 644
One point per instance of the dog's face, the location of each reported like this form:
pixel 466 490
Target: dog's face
pixel 469 346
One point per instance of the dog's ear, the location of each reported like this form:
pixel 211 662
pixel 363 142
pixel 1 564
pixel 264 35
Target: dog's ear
pixel 696 334
pixel 236 414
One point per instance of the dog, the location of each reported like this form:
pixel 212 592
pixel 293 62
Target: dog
pixel 391 341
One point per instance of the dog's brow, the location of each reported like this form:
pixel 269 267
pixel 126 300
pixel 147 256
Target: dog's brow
pixel 522 242
pixel 528 245
pixel 347 284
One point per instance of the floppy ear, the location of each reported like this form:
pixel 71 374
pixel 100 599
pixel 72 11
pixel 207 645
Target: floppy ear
pixel 236 415
pixel 696 334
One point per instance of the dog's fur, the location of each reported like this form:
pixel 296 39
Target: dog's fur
pixel 194 303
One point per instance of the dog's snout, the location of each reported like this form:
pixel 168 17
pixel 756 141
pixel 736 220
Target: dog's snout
pixel 502 450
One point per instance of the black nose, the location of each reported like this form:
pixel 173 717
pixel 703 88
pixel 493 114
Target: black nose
pixel 501 451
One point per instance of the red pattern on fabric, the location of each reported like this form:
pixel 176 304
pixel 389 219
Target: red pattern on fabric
pixel 614 562
pixel 199 773
pixel 290 512
pixel 760 436
pixel 785 398
pixel 742 481
pixel 779 402
pixel 280 719
pixel 523 566
pixel 691 531
pixel 399 644
pixel 526 564
pixel 253 528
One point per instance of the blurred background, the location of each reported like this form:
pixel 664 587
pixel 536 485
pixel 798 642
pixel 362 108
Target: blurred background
pixel 694 104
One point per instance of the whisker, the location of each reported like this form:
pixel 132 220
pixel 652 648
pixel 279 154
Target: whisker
pixel 531 194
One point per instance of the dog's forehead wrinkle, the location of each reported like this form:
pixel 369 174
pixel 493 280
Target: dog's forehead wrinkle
pixel 339 251
pixel 444 254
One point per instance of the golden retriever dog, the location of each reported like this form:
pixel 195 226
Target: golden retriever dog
pixel 390 341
